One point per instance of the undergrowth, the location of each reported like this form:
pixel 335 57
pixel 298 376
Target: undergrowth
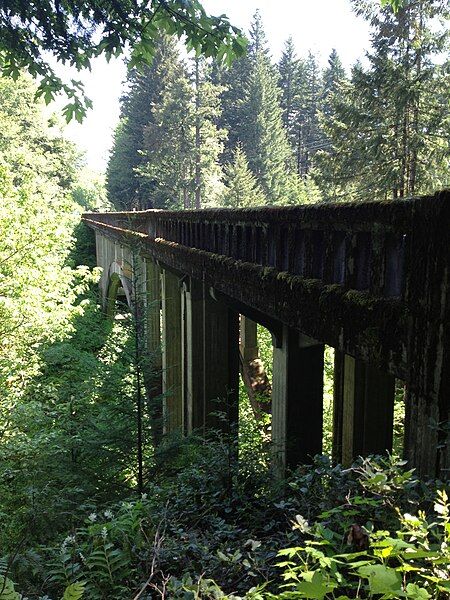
pixel 207 528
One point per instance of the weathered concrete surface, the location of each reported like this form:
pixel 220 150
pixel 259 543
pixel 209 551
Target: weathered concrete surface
pixel 172 359
pixel 297 400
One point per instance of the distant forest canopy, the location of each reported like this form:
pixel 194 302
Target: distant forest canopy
pixel 194 134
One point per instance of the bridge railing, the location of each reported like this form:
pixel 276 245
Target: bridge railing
pixel 364 246
pixel 387 249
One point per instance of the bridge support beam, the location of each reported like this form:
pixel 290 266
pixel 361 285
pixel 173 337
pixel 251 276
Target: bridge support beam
pixel 297 400
pixel 173 410
pixel 363 420
pixel 210 359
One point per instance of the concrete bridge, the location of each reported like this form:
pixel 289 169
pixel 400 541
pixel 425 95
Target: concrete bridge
pixel 370 279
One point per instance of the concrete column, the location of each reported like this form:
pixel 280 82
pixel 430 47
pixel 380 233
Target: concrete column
pixel 366 399
pixel 101 262
pixel 338 386
pixel 193 354
pixel 248 339
pixel 105 248
pixel 210 359
pixel 153 308
pixel 153 366
pixel 297 400
pixel 173 411
pixel 221 365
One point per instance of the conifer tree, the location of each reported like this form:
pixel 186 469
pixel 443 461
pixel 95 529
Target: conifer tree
pixel 182 144
pixel 301 91
pixel 332 78
pixel 241 188
pixel 232 81
pixel 390 131
pixel 309 134
pixel 209 137
pixel 290 81
pixel 167 164
pixel 126 189
pixel 262 133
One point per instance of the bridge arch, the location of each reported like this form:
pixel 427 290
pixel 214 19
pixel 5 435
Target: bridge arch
pixel 117 277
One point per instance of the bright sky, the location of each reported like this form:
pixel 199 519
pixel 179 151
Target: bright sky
pixel 319 25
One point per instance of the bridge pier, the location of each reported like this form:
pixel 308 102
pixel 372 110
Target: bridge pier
pixel 153 308
pixel 210 359
pixel 172 375
pixel 221 360
pixel 193 353
pixel 427 408
pixel 363 419
pixel 152 369
pixel 297 400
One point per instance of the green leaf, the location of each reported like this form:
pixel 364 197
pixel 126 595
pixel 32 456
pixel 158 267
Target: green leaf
pixel 416 593
pixel 315 586
pixel 382 580
pixel 395 4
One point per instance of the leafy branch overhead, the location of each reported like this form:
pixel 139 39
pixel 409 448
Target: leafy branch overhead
pixel 76 31
pixel 395 4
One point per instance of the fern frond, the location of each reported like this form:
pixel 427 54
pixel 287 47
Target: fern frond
pixel 74 591
pixel 7 591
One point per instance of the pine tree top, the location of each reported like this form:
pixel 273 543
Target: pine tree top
pixel 241 189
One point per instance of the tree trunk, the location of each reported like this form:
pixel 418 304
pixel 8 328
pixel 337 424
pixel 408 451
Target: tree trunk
pixel 197 137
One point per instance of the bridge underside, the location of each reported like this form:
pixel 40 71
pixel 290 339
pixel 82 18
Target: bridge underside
pixel 370 280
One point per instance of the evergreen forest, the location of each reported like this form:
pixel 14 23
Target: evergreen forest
pixel 94 503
